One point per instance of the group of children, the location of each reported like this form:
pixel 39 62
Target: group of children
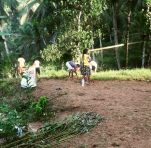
pixel 29 75
pixel 87 65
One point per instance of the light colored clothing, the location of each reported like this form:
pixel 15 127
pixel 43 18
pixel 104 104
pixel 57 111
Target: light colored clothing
pixel 85 67
pixel 37 63
pixel 69 66
pixel 93 66
pixel 86 59
pixel 72 64
pixel 21 65
pixel 29 78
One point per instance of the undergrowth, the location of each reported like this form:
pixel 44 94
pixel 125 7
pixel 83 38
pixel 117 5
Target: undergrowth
pixel 19 107
pixel 53 133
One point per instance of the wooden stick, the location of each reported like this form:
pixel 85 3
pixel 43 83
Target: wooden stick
pixel 114 46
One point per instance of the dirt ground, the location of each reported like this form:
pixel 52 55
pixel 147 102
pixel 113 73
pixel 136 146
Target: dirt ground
pixel 125 106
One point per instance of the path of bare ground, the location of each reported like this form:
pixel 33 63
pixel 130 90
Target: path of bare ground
pixel 125 105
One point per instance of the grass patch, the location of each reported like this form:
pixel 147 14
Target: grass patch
pixel 129 74
pixel 45 73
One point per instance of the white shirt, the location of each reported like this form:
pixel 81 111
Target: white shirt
pixel 37 63
pixel 29 78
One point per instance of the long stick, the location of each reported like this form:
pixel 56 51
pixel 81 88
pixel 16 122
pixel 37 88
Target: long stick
pixel 113 46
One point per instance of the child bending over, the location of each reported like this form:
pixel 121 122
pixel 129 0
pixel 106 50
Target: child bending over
pixel 72 68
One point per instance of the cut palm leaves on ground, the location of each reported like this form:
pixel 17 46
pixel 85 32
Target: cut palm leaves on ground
pixel 52 133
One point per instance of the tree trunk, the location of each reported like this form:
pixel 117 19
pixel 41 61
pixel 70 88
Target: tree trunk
pixel 148 15
pixel 143 54
pixel 92 45
pixel 78 46
pixel 149 60
pixel 127 37
pixel 5 44
pixel 100 39
pixel 79 21
pixel 114 7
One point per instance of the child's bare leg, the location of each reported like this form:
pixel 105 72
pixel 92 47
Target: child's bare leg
pixel 85 78
pixel 75 73
pixel 72 74
pixel 88 78
pixel 69 73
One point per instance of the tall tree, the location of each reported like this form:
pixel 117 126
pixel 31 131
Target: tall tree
pixel 115 10
pixel 129 3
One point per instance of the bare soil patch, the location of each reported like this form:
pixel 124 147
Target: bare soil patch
pixel 125 106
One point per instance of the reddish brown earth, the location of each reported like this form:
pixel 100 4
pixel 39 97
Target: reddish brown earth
pixel 125 106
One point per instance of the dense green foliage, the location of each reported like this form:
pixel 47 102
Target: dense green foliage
pixel 52 133
pixel 19 107
pixel 18 113
pixel 57 31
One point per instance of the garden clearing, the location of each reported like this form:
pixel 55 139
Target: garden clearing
pixel 125 106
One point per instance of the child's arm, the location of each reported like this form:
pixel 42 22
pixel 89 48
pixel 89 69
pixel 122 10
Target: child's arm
pixel 89 58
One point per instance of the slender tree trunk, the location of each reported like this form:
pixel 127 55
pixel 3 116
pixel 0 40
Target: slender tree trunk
pixel 6 46
pixel 149 17
pixel 111 38
pixel 92 45
pixel 149 60
pixel 114 7
pixel 79 28
pixel 143 54
pixel 149 22
pixel 5 43
pixel 100 39
pixel 79 21
pixel 127 37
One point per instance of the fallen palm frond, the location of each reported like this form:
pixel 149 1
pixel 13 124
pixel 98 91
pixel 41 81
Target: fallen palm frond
pixel 52 133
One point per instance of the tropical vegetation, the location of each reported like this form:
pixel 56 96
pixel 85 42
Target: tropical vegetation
pixel 57 31
pixel 117 32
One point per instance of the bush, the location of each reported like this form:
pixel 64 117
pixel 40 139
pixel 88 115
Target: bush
pixel 10 119
pixel 39 108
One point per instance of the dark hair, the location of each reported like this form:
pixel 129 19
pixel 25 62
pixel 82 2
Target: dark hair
pixel 78 65
pixel 85 51
pixel 33 60
pixel 20 55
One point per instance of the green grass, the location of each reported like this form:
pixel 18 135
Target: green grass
pixel 53 73
pixel 129 74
